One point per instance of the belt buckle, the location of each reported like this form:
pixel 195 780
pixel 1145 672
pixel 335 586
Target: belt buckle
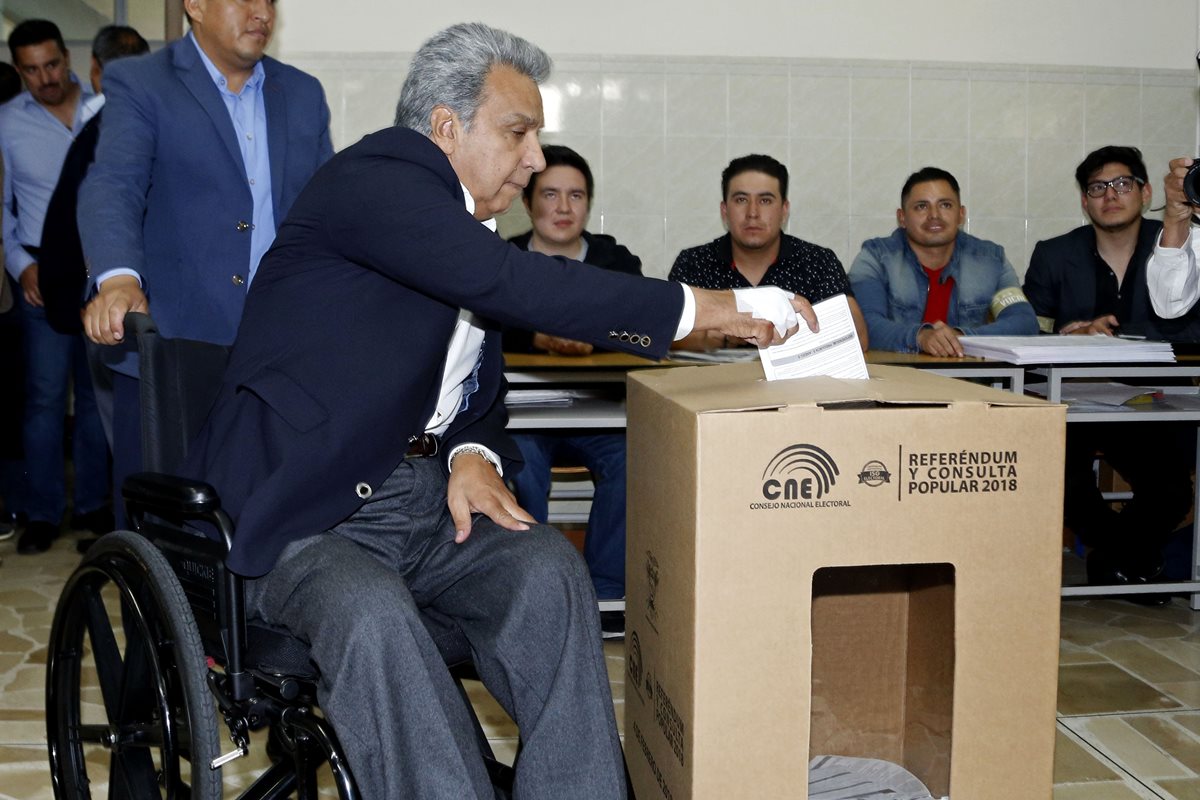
pixel 423 444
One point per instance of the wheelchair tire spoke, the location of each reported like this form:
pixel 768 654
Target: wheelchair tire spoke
pixel 138 694
pixel 106 653
pixel 133 776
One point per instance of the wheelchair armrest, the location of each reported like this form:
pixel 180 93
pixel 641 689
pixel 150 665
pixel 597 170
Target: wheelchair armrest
pixel 170 495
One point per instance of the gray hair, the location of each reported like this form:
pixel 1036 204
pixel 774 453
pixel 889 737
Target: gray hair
pixel 450 70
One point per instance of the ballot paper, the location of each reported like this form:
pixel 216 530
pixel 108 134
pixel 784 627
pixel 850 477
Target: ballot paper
pixel 845 778
pixel 833 351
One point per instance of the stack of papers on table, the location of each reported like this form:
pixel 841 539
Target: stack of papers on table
pixel 1112 396
pixel 543 397
pixel 722 355
pixel 1097 349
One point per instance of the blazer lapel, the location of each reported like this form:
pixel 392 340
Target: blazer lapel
pixel 195 77
pixel 1080 276
pixel 275 100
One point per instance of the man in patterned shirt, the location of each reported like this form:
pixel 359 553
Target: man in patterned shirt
pixel 756 251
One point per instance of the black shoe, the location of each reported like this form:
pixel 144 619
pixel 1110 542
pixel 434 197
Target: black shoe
pixel 1104 570
pixel 37 538
pixel 612 624
pixel 98 522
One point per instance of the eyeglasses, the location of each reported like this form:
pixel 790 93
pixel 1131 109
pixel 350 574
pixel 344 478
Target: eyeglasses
pixel 1121 185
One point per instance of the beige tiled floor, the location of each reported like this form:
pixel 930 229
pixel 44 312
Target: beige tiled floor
pixel 1129 692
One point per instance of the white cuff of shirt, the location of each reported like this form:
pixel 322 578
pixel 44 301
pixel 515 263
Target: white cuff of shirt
pixel 112 273
pixel 1158 247
pixel 475 447
pixel 687 320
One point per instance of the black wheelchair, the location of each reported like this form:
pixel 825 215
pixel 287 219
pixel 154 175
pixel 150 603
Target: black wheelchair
pixel 150 650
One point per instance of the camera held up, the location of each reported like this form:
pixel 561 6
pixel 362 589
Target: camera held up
pixel 1191 183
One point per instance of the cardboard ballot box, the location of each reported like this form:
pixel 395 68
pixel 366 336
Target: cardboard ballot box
pixel 829 567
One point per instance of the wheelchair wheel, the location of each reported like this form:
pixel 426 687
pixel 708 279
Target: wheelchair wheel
pixel 127 702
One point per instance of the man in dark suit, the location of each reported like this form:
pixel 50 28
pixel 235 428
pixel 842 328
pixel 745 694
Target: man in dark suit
pixel 62 276
pixel 205 146
pixel 1092 280
pixel 358 440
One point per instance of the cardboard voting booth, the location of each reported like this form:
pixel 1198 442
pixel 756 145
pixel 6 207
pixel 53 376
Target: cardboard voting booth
pixel 824 567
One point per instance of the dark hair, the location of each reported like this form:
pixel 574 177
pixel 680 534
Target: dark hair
pixel 558 155
pixel 755 163
pixel 117 41
pixel 10 82
pixel 34 31
pixel 451 68
pixel 924 175
pixel 1130 157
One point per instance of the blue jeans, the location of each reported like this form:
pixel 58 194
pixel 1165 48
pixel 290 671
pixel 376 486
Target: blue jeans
pixel 51 360
pixel 12 412
pixel 604 456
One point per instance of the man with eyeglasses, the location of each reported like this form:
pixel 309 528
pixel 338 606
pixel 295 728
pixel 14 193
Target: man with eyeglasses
pixel 1092 280
pixel 929 283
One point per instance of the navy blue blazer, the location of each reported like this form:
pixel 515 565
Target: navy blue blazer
pixel 343 340
pixel 1061 284
pixel 62 278
pixel 167 195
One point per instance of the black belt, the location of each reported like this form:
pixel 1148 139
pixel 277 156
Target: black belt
pixel 426 444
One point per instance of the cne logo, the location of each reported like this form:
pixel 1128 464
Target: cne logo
pixel 799 472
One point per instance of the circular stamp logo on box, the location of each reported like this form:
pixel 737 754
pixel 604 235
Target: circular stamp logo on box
pixel 874 473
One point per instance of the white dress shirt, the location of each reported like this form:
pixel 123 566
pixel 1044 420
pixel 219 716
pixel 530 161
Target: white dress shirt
pixel 462 354
pixel 1172 277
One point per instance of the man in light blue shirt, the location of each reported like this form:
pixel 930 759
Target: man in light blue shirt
pixel 205 145
pixel 36 129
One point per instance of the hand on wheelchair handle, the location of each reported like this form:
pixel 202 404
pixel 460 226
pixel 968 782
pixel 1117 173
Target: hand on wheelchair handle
pixel 104 316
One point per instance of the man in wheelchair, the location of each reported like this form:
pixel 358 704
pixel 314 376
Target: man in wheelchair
pixel 364 400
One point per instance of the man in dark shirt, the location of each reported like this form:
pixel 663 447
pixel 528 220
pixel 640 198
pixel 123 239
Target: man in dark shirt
pixel 1092 280
pixel 756 251
pixel 558 201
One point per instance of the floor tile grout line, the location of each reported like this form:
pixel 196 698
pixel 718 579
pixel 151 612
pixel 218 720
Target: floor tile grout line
pixel 1107 760
pixel 1137 713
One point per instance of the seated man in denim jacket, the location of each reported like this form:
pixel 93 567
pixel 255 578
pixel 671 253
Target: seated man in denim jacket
pixel 929 283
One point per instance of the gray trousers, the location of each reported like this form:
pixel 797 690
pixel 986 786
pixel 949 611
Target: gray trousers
pixel 525 602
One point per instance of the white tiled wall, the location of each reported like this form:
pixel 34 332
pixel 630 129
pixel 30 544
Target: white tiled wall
pixel 658 131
